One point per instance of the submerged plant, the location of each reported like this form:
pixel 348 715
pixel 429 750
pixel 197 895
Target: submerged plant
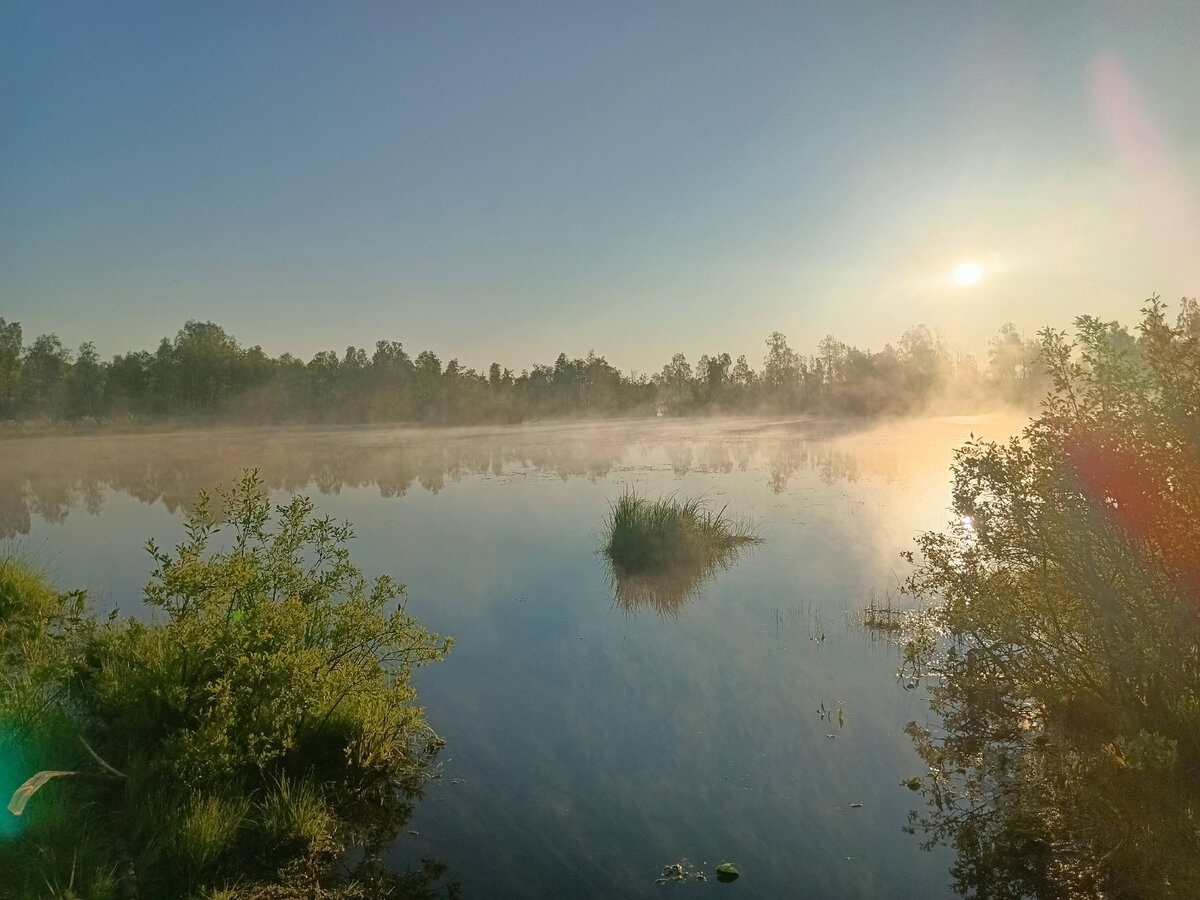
pixel 661 551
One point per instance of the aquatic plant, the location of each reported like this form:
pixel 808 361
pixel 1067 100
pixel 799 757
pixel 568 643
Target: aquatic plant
pixel 662 551
pixel 727 871
pixel 654 536
pixel 876 616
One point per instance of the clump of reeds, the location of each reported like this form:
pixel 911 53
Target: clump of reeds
pixel 655 536
pixel 876 616
pixel 917 630
pixel 662 551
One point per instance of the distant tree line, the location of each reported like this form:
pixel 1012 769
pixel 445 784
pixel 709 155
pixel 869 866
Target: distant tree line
pixel 205 374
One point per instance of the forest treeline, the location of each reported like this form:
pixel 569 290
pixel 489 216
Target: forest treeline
pixel 205 373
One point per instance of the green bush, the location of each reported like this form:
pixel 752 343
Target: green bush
pixel 1070 693
pixel 197 735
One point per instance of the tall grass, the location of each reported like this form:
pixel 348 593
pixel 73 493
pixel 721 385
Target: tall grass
pixel 647 537
pixel 295 810
pixel 209 826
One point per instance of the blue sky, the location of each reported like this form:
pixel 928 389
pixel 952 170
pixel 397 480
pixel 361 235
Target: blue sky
pixel 507 181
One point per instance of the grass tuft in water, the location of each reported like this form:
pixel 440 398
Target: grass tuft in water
pixel 646 537
pixel 883 617
pixel 662 551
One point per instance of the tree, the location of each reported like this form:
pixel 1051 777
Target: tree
pixel 675 383
pixel 713 374
pixel 743 376
pixel 921 357
pixel 206 359
pixel 86 383
pixel 1012 366
pixel 1068 583
pixel 43 375
pixel 10 364
pixel 1187 323
pixel 781 368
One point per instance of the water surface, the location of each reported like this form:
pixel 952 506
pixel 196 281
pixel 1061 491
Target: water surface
pixel 590 745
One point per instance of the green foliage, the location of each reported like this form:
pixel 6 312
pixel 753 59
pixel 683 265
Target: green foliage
pixel 206 828
pixel 10 364
pixel 661 551
pixel 203 374
pixel 647 536
pixel 1068 583
pixel 296 811
pixel 260 724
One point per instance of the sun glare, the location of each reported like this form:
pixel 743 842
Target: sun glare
pixel 968 273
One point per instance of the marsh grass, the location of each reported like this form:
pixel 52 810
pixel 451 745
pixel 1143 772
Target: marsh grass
pixel 209 826
pixel 661 551
pixel 296 810
pixel 883 617
pixel 653 536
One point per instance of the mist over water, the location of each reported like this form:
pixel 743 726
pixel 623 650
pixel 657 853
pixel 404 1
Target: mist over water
pixel 590 742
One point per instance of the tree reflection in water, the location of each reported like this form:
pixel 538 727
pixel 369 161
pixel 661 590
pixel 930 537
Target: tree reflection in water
pixel 45 478
pixel 1050 810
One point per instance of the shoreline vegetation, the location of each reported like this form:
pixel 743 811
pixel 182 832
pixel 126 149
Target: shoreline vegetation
pixel 1060 632
pixel 204 377
pixel 258 739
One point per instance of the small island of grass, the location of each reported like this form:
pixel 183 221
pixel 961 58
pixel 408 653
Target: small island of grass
pixel 667 548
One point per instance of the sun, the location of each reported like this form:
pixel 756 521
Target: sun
pixel 968 273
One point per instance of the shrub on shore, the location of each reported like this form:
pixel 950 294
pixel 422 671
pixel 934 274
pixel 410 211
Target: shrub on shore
pixel 1068 684
pixel 245 739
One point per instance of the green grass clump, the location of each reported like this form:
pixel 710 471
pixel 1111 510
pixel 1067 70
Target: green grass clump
pixel 30 609
pixel 209 826
pixel 651 537
pixel 295 810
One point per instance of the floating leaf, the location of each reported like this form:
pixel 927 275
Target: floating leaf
pixel 727 871
pixel 21 795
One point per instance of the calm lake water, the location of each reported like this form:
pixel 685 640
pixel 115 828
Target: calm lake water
pixel 590 745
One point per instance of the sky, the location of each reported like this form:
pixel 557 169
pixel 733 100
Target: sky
pixel 507 181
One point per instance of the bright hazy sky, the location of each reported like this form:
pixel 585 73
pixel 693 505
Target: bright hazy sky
pixel 510 180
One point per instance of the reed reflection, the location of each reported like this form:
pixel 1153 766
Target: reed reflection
pixel 667 592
